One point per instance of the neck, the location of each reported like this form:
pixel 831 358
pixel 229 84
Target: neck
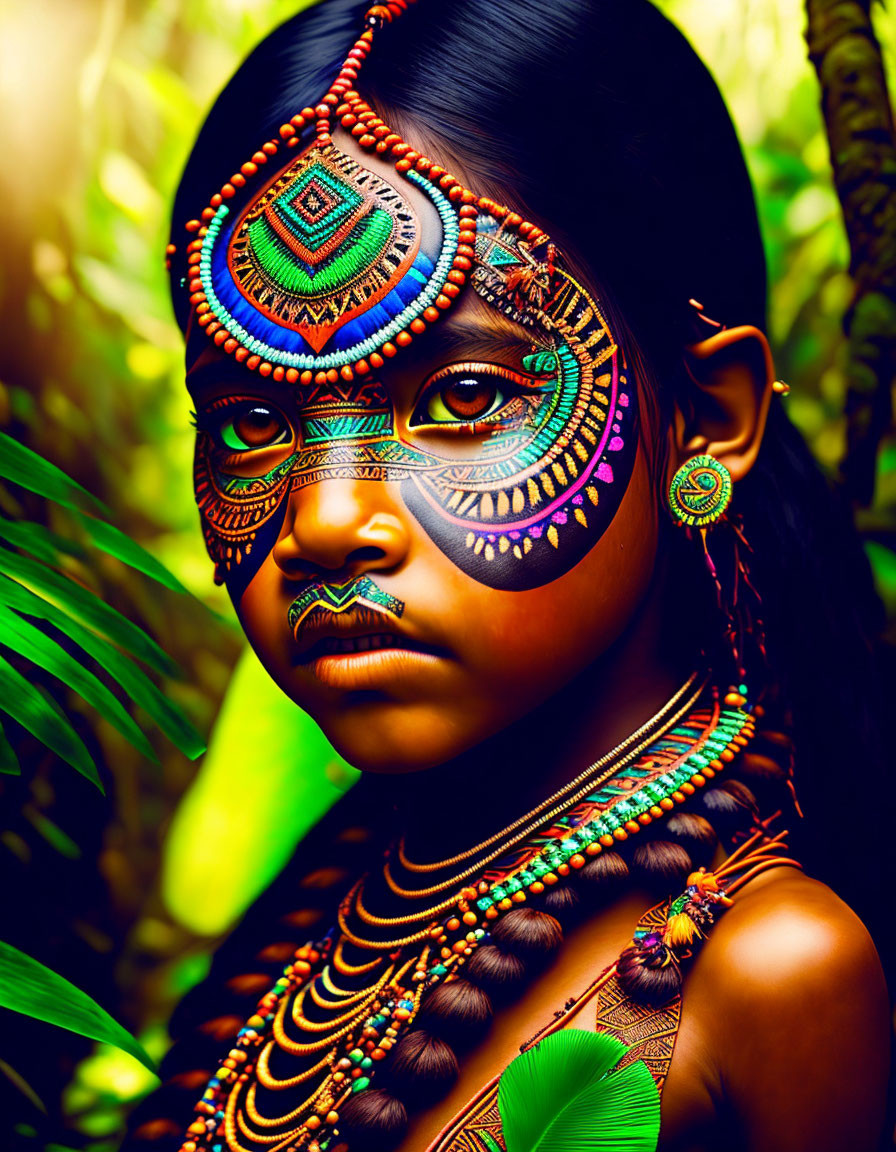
pixel 455 805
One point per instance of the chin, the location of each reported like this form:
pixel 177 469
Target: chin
pixel 389 739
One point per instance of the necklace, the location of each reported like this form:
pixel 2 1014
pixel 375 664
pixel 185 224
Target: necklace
pixel 341 1058
pixel 610 757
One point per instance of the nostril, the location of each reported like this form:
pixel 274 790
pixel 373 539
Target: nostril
pixel 368 552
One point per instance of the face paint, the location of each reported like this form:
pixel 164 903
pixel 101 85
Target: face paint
pixel 535 486
pixel 338 598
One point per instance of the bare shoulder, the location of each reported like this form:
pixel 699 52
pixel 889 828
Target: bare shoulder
pixel 793 1004
pixel 787 934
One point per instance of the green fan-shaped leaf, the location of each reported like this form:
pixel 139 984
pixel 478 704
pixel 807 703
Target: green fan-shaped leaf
pixel 29 642
pixel 132 679
pixel 562 1095
pixel 29 987
pixel 25 704
pixel 114 542
pixel 26 468
pixel 84 606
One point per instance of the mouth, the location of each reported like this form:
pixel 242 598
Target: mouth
pixel 362 649
pixel 366 642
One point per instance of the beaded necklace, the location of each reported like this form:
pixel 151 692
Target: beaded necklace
pixel 318 1036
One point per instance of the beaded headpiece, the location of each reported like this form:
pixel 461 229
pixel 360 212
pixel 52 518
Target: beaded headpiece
pixel 319 273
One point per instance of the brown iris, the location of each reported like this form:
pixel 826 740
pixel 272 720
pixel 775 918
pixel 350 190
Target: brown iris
pixel 254 426
pixel 468 398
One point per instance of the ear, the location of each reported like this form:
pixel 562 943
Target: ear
pixel 725 414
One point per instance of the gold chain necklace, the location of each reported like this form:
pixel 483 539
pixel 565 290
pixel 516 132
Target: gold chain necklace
pixel 648 734
pixel 529 816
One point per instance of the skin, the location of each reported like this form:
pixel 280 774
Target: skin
pixel 783 1043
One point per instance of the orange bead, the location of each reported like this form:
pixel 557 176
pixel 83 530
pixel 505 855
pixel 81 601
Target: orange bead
pixel 346 373
pixel 431 314
pixel 418 325
pixel 248 169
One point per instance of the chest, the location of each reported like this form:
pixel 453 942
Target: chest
pixel 466 1120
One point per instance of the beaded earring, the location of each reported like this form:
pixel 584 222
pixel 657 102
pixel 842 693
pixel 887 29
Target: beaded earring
pixel 700 492
pixel 699 495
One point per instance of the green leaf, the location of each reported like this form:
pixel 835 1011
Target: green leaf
pixel 18 1080
pixel 37 540
pixel 29 470
pixel 25 704
pixel 53 834
pixel 29 987
pixel 77 602
pixel 29 642
pixel 9 763
pixel 562 1095
pixel 131 678
pixel 114 542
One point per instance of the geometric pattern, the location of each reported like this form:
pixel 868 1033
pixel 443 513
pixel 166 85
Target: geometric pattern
pixel 325 241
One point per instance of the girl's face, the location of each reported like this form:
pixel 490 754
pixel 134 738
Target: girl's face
pixel 422 555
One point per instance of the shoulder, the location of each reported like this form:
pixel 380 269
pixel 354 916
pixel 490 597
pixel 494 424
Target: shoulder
pixel 792 1000
pixel 787 933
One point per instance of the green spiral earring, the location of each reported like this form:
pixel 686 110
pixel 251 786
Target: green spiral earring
pixel 700 492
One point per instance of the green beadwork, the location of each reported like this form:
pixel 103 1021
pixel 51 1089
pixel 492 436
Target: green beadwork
pixel 700 491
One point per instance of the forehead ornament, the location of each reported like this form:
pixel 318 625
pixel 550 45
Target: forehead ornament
pixel 316 273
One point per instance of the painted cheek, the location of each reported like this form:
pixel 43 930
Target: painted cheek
pixel 241 518
pixel 521 520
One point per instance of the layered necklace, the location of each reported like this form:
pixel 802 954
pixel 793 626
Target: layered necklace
pixel 323 1032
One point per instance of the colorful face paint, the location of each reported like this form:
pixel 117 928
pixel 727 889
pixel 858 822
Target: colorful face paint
pixel 319 275
pixel 520 501
pixel 338 598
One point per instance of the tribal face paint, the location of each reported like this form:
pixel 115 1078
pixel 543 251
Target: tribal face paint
pixel 539 457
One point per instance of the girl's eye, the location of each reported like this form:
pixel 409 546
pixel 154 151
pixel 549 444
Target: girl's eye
pixel 253 426
pixel 469 393
pixel 464 398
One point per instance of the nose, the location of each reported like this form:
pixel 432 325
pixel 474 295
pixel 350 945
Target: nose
pixel 341 524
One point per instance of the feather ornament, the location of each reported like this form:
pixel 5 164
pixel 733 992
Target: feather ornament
pixel 563 1095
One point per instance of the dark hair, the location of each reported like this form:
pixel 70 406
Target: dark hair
pixel 598 121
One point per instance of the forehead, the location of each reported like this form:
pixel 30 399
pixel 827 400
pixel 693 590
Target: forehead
pixel 338 253
pixel 472 330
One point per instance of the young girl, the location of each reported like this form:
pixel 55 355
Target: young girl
pixel 492 460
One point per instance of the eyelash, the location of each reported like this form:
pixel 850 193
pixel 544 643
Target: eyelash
pixel 508 383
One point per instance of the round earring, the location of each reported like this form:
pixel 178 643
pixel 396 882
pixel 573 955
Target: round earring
pixel 700 492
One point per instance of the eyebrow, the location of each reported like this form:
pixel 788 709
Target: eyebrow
pixel 472 338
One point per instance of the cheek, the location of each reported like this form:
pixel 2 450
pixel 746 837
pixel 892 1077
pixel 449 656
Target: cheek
pixel 525 645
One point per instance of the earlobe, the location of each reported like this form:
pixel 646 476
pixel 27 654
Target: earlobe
pixel 732 374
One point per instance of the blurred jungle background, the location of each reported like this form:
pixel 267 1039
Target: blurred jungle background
pixel 126 894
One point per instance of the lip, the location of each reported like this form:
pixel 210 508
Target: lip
pixel 374 669
pixel 360 648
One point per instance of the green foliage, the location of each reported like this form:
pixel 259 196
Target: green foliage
pixel 563 1094
pixel 31 988
pixel 33 583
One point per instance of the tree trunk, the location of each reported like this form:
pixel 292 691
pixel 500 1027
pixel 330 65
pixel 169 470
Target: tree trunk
pixel 859 121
